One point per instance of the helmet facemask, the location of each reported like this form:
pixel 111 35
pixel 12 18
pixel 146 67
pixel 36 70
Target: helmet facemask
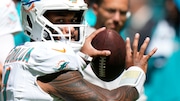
pixel 39 27
pixel 54 31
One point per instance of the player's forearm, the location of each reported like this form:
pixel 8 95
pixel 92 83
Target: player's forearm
pixel 123 93
pixel 126 93
pixel 72 87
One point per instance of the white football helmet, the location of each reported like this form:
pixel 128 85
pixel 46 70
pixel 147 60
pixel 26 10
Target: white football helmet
pixel 39 28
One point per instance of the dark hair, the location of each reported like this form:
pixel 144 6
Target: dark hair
pixel 98 2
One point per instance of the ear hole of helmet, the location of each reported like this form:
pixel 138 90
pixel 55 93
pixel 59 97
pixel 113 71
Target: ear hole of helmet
pixel 29 21
pixel 46 33
pixel 28 32
pixel 30 25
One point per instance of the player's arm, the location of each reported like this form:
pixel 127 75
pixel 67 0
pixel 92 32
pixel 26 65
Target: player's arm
pixel 136 63
pixel 71 86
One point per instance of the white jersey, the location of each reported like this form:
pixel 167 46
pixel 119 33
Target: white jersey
pixel 25 63
pixel 9 24
pixel 9 19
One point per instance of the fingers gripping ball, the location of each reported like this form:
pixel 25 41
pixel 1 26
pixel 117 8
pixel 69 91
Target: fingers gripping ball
pixel 109 68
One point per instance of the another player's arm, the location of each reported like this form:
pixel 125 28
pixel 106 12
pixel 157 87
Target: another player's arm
pixel 71 86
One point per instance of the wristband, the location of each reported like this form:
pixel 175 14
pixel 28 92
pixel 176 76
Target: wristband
pixel 86 57
pixel 134 76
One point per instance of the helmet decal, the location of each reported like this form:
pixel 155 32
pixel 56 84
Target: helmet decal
pixel 28 2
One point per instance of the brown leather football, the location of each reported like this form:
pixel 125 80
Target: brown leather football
pixel 109 68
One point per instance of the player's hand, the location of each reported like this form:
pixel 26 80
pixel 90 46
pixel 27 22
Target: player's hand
pixel 90 50
pixel 137 57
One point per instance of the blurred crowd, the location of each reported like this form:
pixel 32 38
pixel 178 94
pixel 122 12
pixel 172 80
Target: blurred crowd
pixel 159 20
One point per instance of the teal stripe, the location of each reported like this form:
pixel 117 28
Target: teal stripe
pixel 5 83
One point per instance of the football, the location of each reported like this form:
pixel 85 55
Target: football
pixel 110 67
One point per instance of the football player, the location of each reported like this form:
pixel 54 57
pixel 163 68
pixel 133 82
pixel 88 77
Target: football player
pixel 49 67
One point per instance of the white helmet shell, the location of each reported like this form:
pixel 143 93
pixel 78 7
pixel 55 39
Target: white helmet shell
pixel 36 25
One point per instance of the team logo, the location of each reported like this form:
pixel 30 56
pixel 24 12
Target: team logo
pixel 61 65
pixel 29 4
pixel 73 1
pixel 60 50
